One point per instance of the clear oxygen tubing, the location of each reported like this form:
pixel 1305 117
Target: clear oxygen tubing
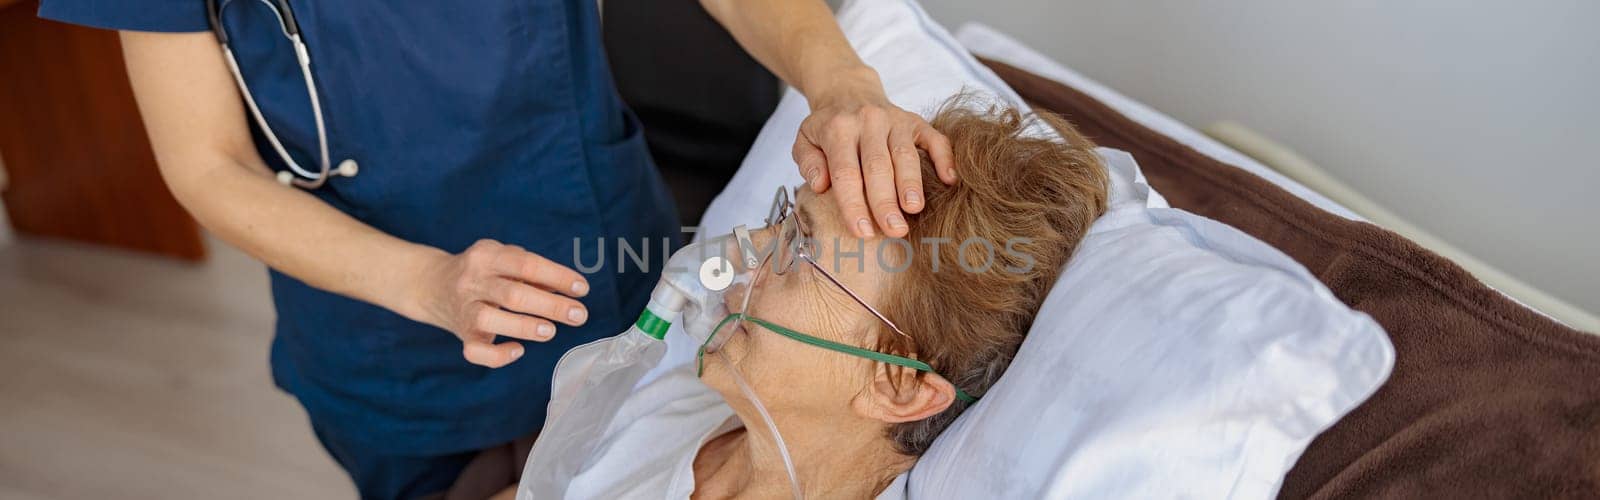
pixel 783 448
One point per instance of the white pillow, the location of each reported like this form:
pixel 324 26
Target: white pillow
pixel 1177 357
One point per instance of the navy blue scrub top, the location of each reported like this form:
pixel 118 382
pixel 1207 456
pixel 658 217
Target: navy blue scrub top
pixel 487 119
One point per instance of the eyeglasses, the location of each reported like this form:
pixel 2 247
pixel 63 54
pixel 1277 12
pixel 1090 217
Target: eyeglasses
pixel 794 243
pixel 791 245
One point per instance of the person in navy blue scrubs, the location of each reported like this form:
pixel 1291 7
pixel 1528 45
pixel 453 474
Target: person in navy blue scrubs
pixel 494 158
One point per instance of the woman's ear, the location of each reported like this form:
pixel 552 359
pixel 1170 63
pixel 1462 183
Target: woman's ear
pixel 907 399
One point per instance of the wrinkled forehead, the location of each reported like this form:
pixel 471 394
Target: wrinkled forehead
pixel 853 261
pixel 818 213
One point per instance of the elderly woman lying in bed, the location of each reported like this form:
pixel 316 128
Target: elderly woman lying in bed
pixel 862 352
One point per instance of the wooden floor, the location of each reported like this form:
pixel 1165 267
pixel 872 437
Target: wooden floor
pixel 130 377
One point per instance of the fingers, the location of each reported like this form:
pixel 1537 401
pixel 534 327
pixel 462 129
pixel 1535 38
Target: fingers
pixel 522 298
pixel 869 158
pixel 512 261
pixel 503 290
pixel 487 318
pixel 877 172
pixel 907 165
pixel 813 164
pixel 844 173
pixel 938 148
pixel 486 353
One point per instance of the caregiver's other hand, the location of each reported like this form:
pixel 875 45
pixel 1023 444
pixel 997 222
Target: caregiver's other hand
pixel 497 289
pixel 864 148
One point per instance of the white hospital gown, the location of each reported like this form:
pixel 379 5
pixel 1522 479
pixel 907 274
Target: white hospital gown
pixel 650 448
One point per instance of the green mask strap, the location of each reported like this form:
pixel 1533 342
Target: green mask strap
pixel 825 344
pixel 700 355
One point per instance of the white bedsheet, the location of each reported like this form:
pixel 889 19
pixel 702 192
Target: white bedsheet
pixel 989 43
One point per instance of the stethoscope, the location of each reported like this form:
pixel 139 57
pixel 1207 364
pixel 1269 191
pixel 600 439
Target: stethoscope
pixel 296 175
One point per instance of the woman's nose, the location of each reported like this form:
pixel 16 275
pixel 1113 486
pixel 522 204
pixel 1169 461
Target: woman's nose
pixel 765 240
pixel 760 244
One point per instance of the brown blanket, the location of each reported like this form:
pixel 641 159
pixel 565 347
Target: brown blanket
pixel 1487 398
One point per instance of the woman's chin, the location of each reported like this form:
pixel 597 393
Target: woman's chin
pixel 729 336
pixel 718 363
pixel 716 377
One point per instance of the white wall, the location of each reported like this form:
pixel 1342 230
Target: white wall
pixel 1480 124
